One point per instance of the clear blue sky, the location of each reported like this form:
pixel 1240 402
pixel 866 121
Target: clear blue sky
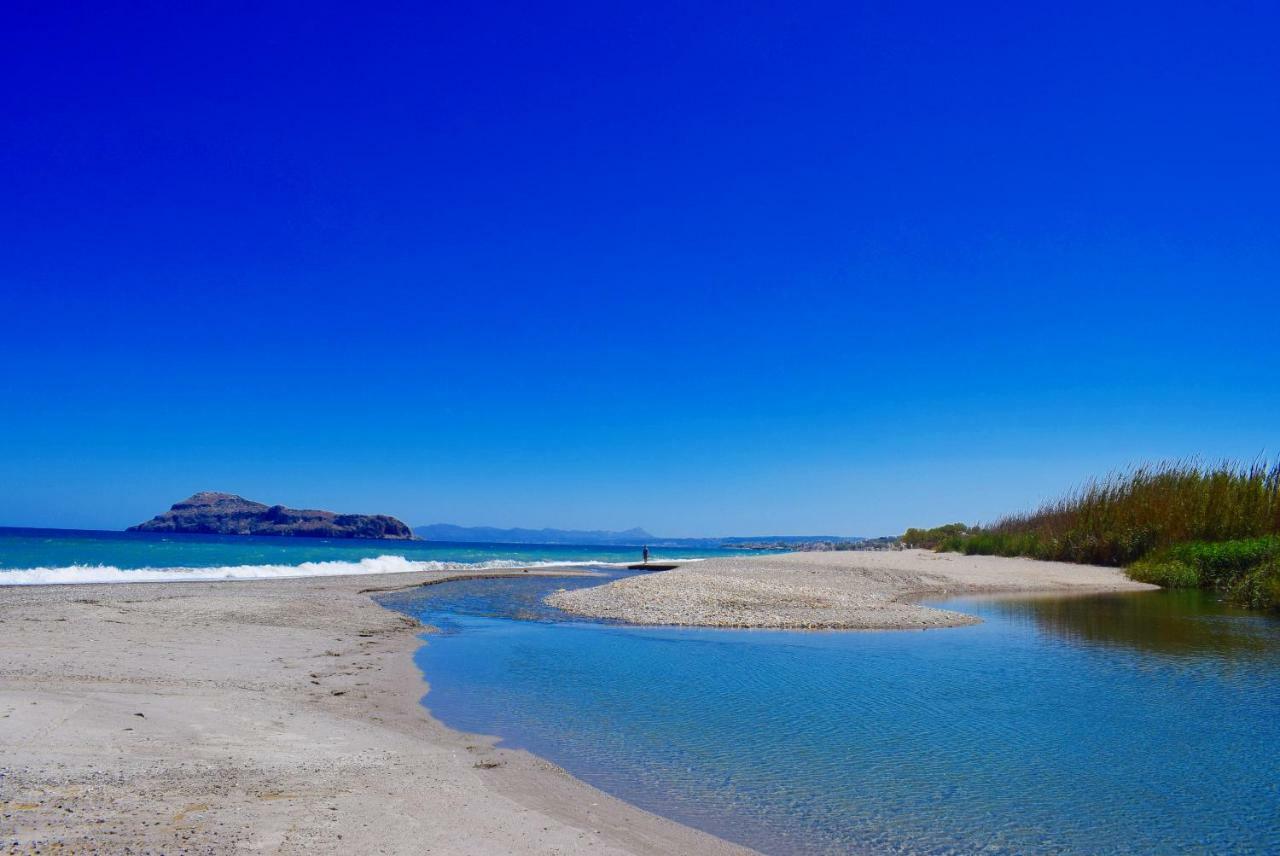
pixel 704 268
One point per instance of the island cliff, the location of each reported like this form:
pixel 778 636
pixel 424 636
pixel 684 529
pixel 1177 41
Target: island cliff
pixel 214 513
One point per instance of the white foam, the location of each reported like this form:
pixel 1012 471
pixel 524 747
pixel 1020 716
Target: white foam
pixel 381 565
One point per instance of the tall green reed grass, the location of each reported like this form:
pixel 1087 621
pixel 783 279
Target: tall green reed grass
pixel 1183 523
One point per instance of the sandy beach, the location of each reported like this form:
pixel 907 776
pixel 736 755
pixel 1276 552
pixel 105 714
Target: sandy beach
pixel 283 716
pixel 277 716
pixel 852 590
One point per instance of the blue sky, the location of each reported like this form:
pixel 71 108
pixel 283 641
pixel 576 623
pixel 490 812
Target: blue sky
pixel 702 268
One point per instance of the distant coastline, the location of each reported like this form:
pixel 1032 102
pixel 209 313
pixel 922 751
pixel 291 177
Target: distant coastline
pixel 624 538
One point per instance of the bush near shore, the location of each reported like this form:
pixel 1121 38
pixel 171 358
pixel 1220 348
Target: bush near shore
pixel 930 539
pixel 1180 525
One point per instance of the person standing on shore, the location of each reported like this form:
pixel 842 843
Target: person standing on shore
pixel 645 553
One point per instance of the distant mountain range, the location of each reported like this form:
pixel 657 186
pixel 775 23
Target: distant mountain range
pixel 493 535
pixel 600 537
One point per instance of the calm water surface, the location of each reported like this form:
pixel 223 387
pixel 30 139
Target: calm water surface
pixel 1141 723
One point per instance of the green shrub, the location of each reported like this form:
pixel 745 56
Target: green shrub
pixel 1246 570
pixel 980 542
pixel 931 539
pixel 1169 573
pixel 1259 588
pixel 1222 563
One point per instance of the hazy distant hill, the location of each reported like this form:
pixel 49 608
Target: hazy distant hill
pixel 628 537
pixel 493 535
pixel 785 539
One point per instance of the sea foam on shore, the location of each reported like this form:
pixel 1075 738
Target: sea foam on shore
pixel 74 574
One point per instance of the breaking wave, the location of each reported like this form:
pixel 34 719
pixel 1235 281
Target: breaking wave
pixel 381 565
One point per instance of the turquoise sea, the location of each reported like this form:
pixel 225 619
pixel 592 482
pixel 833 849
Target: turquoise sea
pixel 68 555
pixel 1136 723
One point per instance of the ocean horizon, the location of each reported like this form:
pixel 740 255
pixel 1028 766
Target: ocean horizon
pixel 37 556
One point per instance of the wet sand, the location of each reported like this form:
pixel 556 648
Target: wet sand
pixel 845 589
pixel 276 716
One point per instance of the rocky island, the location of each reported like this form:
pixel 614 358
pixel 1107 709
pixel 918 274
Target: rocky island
pixel 212 513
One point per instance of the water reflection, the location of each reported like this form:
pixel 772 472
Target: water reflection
pixel 1174 623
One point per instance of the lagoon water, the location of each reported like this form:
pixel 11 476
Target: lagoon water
pixel 1137 723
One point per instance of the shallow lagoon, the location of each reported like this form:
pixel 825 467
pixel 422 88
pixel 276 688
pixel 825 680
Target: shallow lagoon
pixel 1129 723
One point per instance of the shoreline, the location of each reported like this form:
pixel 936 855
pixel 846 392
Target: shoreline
pixel 839 590
pixel 285 714
pixel 279 715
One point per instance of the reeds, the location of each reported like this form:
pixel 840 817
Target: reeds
pixel 1176 515
pixel 1119 519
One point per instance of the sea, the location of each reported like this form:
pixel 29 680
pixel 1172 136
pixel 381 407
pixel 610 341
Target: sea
pixel 1105 724
pixel 41 556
